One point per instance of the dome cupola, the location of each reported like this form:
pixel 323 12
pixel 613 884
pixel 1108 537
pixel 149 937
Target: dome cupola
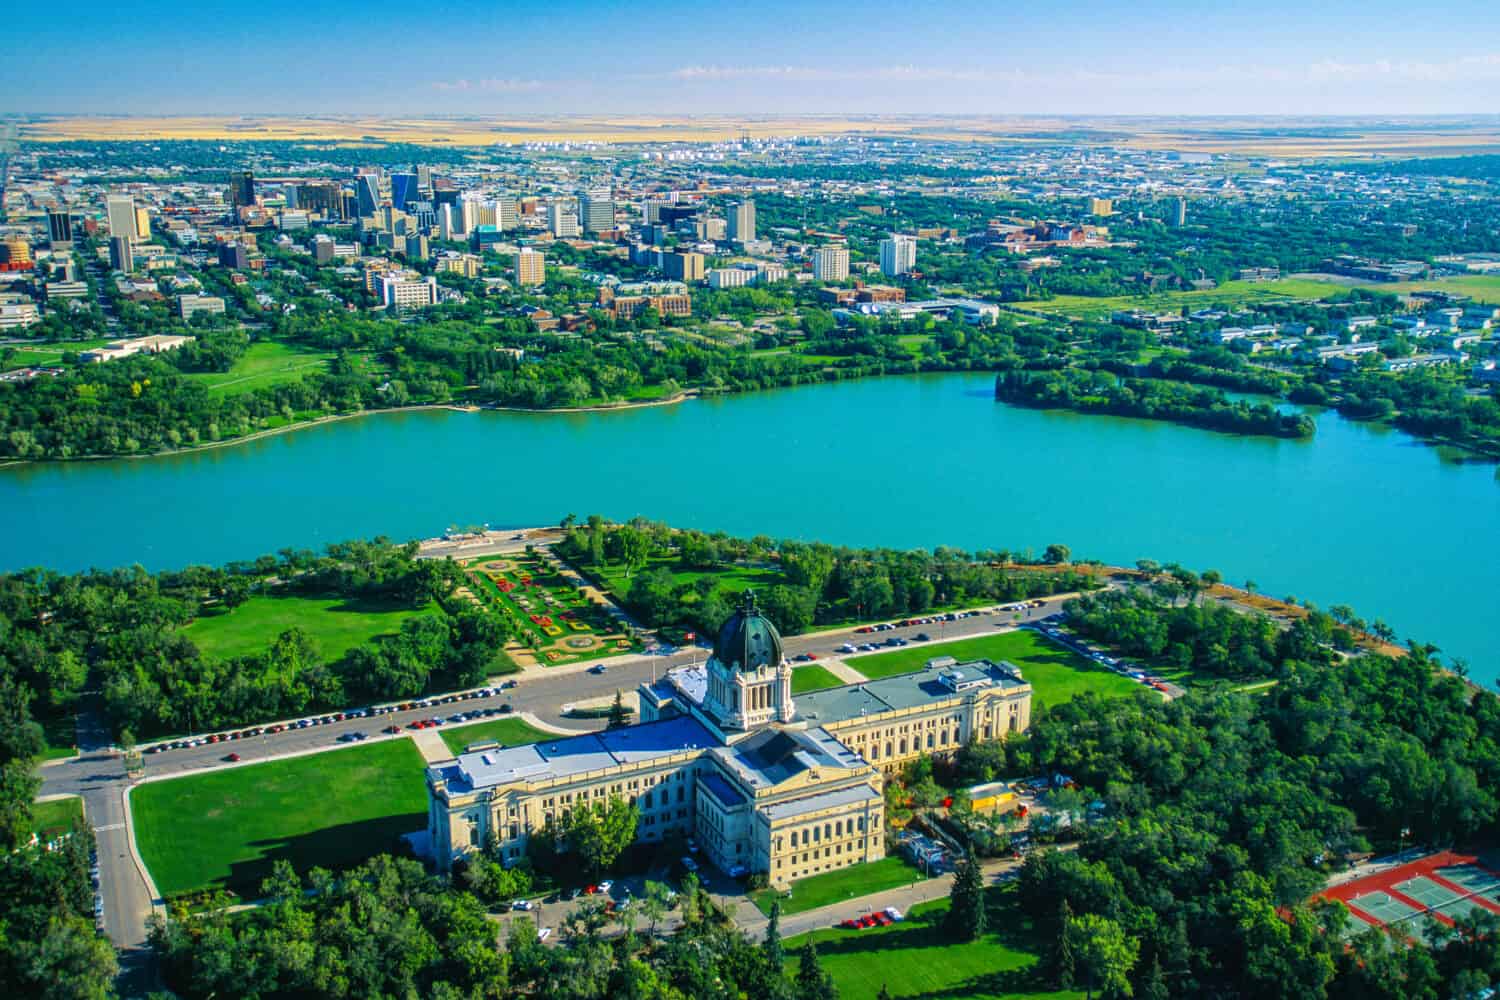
pixel 748 640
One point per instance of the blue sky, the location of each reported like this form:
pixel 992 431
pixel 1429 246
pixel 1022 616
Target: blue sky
pixel 773 56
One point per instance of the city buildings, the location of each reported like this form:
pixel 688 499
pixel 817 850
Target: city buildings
pixel 741 222
pixel 830 264
pixel 683 266
pixel 120 256
pixel 119 211
pixel 596 211
pixel 59 229
pixel 241 188
pixel 530 267
pixel 189 306
pixel 562 220
pixel 898 255
pixel 407 290
pixel 765 783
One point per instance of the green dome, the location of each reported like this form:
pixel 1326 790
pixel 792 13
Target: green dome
pixel 748 640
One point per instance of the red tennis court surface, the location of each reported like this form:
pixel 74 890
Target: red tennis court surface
pixel 1444 886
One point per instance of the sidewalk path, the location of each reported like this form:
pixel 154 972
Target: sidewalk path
pixel 430 742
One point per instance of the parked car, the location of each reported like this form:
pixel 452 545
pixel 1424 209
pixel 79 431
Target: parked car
pixel 233 758
pixel 544 934
pixel 598 668
pixel 523 904
pixel 606 885
pixel 391 730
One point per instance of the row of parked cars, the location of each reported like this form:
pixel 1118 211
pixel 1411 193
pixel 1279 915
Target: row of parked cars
pixel 876 918
pixel 332 717
pixel 1052 628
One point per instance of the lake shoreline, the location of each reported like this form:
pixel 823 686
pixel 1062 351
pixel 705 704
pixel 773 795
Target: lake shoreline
pixel 331 418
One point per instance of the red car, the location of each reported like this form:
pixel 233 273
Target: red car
pixel 391 730
pixel 233 758
pixel 850 925
pixel 864 629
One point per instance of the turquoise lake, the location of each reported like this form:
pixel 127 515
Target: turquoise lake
pixel 1358 515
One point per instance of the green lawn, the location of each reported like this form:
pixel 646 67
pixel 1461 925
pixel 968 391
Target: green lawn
pixel 914 958
pixel 336 624
pixel 1054 673
pixel 812 677
pixel 226 828
pixel 45 353
pixel 736 577
pixel 265 363
pixel 1481 287
pixel 1230 293
pixel 846 883
pixel 510 732
pixel 56 813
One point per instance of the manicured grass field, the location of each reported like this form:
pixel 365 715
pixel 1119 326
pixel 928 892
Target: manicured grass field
pixel 1480 287
pixel 1054 673
pixel 265 363
pixel 226 828
pixel 56 813
pixel 1230 293
pixel 336 624
pixel 914 958
pixel 846 883
pixel 735 578
pixel 510 732
pixel 44 353
pixel 812 677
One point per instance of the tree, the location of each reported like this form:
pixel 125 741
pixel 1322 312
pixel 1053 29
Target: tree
pixel 813 981
pixel 1056 554
pixel 654 903
pixel 966 916
pixel 1104 954
pixel 771 946
pixel 1062 960
pixel 1154 986
pixel 634 547
pixel 618 716
pixel 597 832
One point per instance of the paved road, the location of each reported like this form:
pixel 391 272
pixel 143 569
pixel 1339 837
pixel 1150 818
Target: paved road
pixel 99 775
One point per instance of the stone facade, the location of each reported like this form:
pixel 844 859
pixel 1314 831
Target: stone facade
pixel 724 753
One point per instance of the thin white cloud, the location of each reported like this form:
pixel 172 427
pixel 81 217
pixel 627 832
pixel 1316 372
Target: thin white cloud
pixel 1472 68
pixel 488 84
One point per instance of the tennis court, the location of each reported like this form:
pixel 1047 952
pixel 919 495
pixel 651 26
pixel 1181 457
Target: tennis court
pixel 1460 908
pixel 1427 892
pixel 1473 879
pixel 1383 908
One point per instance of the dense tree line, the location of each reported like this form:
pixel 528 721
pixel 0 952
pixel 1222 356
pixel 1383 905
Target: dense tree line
pixel 389 930
pixel 123 629
pixel 49 946
pixel 1227 811
pixel 1101 392
pixel 816 584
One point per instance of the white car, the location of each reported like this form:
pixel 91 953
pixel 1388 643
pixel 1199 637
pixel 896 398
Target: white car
pixel 544 934
pixel 606 885
pixel 523 904
pixel 893 913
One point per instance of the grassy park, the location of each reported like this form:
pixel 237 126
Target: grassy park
pixel 336 624
pixel 507 732
pixel 1230 293
pixel 225 828
pixel 811 677
pixel 1054 673
pixel 914 958
pixel 845 883
pixel 265 363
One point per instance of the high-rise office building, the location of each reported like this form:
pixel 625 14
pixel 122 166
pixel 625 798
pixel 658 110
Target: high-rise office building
pixel 531 267
pixel 562 220
pixel 424 179
pixel 507 216
pixel 367 189
pixel 142 223
pixel 320 198
pixel 596 211
pixel 830 263
pixel 1101 208
pixel 119 211
pixel 120 256
pixel 404 190
pixel 683 266
pixel 241 188
pixel 60 229
pixel 741 222
pixel 898 255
